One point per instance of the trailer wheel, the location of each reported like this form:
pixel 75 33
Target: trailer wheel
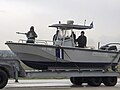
pixel 76 80
pixel 72 79
pixel 95 81
pixel 110 81
pixel 3 79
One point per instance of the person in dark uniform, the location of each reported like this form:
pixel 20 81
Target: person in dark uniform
pixel 31 35
pixel 82 40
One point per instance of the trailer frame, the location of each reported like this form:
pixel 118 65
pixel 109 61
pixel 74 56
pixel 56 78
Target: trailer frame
pixel 11 68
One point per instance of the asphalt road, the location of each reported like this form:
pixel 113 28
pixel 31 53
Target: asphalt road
pixel 53 84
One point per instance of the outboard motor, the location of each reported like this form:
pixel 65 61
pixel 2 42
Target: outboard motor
pixel 106 47
pixel 112 48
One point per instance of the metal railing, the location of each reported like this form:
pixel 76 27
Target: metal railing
pixel 45 42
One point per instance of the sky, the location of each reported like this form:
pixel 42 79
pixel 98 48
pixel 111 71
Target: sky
pixel 20 15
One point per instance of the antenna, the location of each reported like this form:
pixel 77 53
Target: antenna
pixel 59 22
pixel 84 22
pixel 91 24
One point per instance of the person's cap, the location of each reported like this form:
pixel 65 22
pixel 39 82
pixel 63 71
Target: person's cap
pixel 32 27
pixel 83 32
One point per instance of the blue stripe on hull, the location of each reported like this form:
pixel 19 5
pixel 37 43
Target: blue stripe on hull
pixel 46 65
pixel 59 53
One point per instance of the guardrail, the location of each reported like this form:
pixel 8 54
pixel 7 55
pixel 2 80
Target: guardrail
pixel 45 42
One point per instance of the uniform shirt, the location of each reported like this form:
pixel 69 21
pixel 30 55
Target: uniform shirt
pixel 31 35
pixel 82 40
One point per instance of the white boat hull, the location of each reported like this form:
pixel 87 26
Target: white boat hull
pixel 49 56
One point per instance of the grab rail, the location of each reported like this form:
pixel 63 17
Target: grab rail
pixel 21 40
pixel 45 42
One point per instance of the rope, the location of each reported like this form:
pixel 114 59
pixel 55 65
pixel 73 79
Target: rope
pixel 111 63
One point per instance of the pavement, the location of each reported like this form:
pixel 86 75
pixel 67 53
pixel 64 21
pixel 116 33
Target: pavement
pixel 53 84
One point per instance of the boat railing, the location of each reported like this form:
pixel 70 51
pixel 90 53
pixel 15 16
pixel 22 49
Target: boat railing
pixel 21 41
pixel 45 42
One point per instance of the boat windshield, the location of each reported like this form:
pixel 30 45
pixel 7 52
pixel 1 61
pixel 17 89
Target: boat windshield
pixel 65 37
pixel 65 33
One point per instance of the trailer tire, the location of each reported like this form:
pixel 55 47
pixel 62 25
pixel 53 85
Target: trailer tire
pixel 110 81
pixel 3 79
pixel 95 81
pixel 72 79
pixel 76 80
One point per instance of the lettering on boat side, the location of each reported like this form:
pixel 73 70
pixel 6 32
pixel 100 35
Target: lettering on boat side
pixel 50 49
pixel 100 54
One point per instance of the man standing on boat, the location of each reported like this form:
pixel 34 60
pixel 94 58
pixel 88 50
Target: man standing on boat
pixel 73 36
pixel 82 40
pixel 57 36
pixel 31 35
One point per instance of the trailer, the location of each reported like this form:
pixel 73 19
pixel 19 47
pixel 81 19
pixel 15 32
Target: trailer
pixel 11 68
pixel 91 77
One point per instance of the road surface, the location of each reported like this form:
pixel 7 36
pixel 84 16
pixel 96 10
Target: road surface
pixel 53 84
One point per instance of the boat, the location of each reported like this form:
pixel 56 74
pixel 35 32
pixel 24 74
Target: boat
pixel 63 53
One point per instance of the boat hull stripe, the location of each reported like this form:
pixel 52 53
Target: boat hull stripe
pixel 59 53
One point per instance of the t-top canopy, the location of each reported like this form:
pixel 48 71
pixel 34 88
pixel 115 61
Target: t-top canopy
pixel 71 26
